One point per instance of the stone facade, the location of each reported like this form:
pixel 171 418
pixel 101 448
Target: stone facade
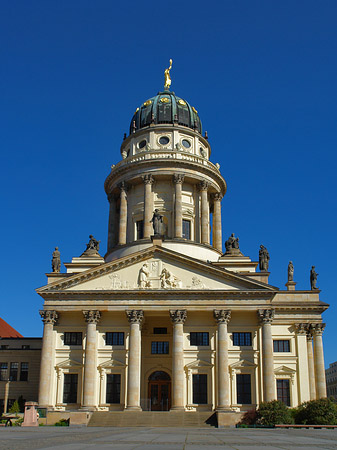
pixel 166 321
pixel 331 380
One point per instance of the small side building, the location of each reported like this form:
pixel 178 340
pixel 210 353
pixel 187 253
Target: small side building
pixel 331 380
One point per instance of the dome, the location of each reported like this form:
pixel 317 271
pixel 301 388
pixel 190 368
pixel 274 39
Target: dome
pixel 165 107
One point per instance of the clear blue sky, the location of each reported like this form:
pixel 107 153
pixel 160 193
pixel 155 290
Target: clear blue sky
pixel 263 77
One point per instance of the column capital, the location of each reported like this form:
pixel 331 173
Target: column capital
pixel 92 316
pixel 123 187
pixel 217 196
pixel 301 328
pixel 49 317
pixel 317 328
pixel 203 185
pixel 266 315
pixel 148 179
pixel 178 316
pixel 222 315
pixel 135 316
pixel 178 178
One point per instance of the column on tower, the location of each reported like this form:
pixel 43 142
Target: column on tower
pixel 266 317
pixel 217 232
pixel 148 204
pixel 123 212
pixel 90 360
pixel 178 318
pixel 311 365
pixel 178 180
pixel 112 222
pixel 222 317
pixel 203 186
pixel 302 358
pixel 318 329
pixel 135 318
pixel 49 319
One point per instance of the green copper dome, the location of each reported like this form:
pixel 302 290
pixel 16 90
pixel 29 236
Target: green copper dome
pixel 165 107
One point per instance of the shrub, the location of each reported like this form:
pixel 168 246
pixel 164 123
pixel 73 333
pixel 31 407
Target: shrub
pixel 272 413
pixel 62 423
pixel 18 422
pixel 15 408
pixel 317 412
pixel 249 417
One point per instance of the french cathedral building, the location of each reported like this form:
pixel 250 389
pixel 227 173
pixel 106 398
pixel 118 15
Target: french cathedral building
pixel 167 320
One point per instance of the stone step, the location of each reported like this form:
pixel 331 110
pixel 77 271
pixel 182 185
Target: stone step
pixel 152 419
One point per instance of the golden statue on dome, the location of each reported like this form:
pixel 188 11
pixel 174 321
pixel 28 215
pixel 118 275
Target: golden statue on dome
pixel 167 76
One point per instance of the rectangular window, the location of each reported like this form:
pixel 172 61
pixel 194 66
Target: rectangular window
pixel 25 347
pixel 24 371
pixel 283 391
pixel 186 229
pixel 282 346
pixel 200 389
pixel 199 338
pixel 114 338
pixel 140 229
pixel 3 371
pixel 4 347
pixel 13 372
pixel 159 348
pixel 157 330
pixel 242 339
pixel 72 338
pixel 243 389
pixel 70 388
pixel 113 388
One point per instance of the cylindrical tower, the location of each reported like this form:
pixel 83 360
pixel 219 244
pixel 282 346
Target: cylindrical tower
pixel 165 166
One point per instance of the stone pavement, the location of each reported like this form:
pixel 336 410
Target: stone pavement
pixel 64 438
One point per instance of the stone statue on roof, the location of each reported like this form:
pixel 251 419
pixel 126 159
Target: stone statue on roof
pixel 56 260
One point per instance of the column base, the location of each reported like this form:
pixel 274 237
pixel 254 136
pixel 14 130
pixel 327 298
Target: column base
pixel 88 408
pixel 224 409
pixel 177 408
pixel 133 408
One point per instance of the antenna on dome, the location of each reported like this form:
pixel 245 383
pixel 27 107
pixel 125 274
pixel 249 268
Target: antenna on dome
pixel 167 84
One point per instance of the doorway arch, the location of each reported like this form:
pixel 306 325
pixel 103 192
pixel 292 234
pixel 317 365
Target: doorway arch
pixel 159 392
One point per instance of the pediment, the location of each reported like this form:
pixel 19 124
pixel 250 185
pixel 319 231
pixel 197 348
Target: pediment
pixel 284 370
pixel 242 363
pixel 68 363
pixel 156 269
pixel 112 363
pixel 197 364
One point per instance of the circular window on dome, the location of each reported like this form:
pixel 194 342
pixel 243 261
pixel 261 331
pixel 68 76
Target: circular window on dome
pixel 164 140
pixel 142 143
pixel 186 143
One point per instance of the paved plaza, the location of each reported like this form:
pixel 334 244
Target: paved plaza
pixel 62 438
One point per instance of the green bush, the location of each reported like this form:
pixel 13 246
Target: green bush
pixel 317 412
pixel 62 423
pixel 15 408
pixel 249 418
pixel 272 413
pixel 18 422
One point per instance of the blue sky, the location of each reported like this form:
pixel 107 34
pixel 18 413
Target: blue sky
pixel 262 76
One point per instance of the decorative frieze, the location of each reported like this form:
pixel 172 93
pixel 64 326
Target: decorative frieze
pixel 222 315
pixel 135 316
pixel 178 316
pixel 92 316
pixel 49 317
pixel 266 315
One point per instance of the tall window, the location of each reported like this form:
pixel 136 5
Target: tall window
pixel 3 371
pixel 72 338
pixel 199 338
pixel 186 229
pixel 242 339
pixel 24 371
pixel 13 372
pixel 70 388
pixel 114 338
pixel 140 229
pixel 243 389
pixel 159 348
pixel 113 388
pixel 282 346
pixel 200 389
pixel 283 391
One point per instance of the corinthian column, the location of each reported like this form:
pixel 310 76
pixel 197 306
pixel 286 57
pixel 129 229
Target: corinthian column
pixel 319 360
pixel 178 318
pixel 135 317
pixel 203 186
pixel 217 233
pixel 266 317
pixel 123 212
pixel 90 361
pixel 311 365
pixel 49 319
pixel 148 182
pixel 222 317
pixel 178 180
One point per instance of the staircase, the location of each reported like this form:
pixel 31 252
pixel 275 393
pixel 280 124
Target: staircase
pixel 175 419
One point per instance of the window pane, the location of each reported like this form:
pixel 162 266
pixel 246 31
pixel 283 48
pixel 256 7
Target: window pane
pixel 200 389
pixel 3 371
pixel 24 372
pixel 199 338
pixel 242 339
pixel 13 373
pixel 113 388
pixel 140 229
pixel 158 348
pixel 186 229
pixel 243 389
pixel 114 338
pixel 282 346
pixel 73 338
pixel 70 388
pixel 283 391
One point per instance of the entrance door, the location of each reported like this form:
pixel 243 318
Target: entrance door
pixel 159 391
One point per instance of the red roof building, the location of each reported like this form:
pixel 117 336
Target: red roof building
pixel 7 331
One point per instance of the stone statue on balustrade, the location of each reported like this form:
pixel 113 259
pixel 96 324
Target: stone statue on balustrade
pixel 232 246
pixel 290 271
pixel 313 278
pixel 92 247
pixel 157 223
pixel 56 260
pixel 263 259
